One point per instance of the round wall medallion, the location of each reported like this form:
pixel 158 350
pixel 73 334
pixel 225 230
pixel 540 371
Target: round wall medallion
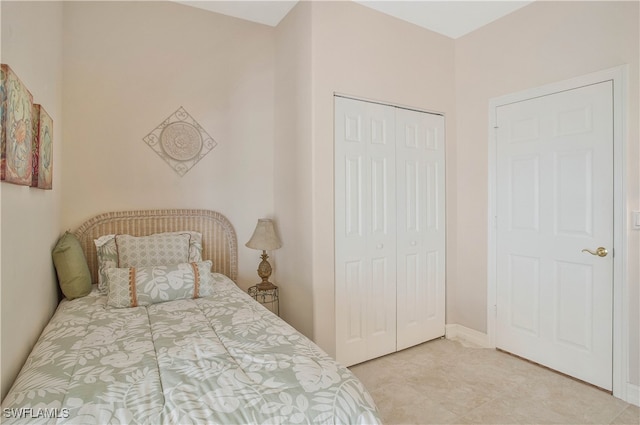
pixel 181 141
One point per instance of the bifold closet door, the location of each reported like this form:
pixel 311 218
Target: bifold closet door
pixel 365 230
pixel 389 229
pixel 420 229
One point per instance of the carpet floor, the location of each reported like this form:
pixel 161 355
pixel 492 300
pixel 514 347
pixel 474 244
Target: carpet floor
pixel 449 382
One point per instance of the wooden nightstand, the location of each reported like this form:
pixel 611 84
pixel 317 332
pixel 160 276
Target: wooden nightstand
pixel 270 298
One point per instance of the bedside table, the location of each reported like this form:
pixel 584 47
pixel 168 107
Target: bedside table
pixel 270 298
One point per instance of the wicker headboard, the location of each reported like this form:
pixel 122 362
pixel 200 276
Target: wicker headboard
pixel 219 242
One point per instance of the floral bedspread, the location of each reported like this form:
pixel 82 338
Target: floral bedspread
pixel 223 359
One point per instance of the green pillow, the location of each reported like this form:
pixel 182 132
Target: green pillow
pixel 73 272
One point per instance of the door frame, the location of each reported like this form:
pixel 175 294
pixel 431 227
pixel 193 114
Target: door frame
pixel 618 76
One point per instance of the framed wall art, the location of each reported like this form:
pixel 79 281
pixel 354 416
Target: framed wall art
pixel 16 130
pixel 42 149
pixel 3 118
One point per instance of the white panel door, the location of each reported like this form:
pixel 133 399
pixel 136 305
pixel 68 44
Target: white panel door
pixel 420 227
pixel 554 199
pixel 365 220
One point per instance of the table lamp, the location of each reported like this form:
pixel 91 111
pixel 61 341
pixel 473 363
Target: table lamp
pixel 264 238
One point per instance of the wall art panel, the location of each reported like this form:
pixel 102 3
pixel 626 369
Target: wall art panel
pixel 17 129
pixel 42 149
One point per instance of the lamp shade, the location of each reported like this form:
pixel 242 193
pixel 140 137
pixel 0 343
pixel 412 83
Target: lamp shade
pixel 264 237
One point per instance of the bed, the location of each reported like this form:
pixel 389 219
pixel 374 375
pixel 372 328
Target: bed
pixel 220 358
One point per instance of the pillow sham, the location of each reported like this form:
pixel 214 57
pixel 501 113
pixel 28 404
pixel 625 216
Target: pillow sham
pixel 107 253
pixel 139 286
pixel 71 266
pixel 160 249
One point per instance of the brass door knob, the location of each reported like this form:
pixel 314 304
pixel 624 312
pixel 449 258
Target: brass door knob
pixel 600 252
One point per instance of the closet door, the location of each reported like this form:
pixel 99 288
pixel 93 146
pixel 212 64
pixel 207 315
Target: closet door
pixel 420 227
pixel 365 226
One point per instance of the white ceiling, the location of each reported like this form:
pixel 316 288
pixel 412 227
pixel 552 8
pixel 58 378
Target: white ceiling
pixel 453 18
pixel 268 12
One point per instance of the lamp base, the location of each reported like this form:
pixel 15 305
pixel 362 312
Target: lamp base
pixel 264 271
pixel 265 286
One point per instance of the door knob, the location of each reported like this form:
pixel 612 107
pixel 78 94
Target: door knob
pixel 600 252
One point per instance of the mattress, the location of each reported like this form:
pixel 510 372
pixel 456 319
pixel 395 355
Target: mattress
pixel 220 359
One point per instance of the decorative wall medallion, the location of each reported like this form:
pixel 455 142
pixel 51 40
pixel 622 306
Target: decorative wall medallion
pixel 180 141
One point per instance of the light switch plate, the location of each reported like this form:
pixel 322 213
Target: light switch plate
pixel 635 223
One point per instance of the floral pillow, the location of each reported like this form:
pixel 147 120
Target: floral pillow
pixel 138 286
pixel 107 253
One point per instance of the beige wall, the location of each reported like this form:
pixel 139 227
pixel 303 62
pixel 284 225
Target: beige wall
pixel 266 96
pixel 292 178
pixel 542 43
pixel 32 46
pixel 127 67
pixel 361 52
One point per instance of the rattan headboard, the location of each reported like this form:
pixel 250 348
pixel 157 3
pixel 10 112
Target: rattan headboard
pixel 219 242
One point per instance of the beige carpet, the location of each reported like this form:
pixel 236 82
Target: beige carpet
pixel 446 382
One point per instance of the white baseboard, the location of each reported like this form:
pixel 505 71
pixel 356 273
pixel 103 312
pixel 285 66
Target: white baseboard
pixel 462 333
pixel 633 394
